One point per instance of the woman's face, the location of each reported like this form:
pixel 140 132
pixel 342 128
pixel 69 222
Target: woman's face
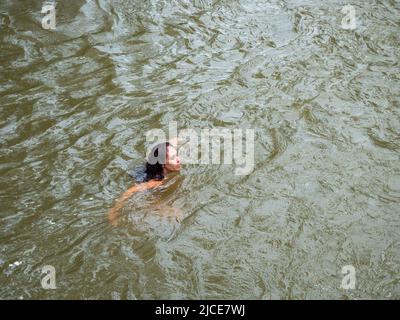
pixel 173 163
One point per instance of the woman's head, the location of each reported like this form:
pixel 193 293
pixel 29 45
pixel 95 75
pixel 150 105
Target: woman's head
pixel 162 159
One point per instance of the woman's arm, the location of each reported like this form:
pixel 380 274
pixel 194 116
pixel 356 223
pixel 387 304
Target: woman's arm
pixel 113 213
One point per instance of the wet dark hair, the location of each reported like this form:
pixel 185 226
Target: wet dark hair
pixel 155 161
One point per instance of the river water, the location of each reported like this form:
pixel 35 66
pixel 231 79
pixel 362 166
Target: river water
pixel 323 101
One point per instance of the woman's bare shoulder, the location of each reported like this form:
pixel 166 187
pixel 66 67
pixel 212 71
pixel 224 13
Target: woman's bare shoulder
pixel 148 185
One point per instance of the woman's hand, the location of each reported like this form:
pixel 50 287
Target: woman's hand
pixel 168 211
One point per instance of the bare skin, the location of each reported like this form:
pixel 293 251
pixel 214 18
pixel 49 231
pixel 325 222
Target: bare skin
pixel 172 165
pixel 113 213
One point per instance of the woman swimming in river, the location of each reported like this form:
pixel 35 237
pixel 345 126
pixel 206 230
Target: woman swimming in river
pixel 162 160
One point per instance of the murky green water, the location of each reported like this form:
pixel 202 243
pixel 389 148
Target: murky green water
pixel 76 103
